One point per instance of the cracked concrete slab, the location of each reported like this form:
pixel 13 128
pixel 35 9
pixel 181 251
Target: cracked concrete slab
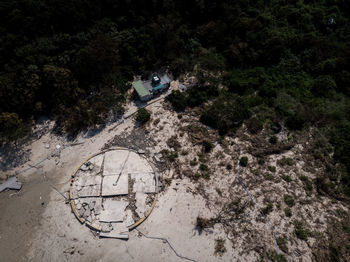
pixel 114 162
pixel 113 210
pixel 137 164
pixel 110 186
pixel 88 181
pixel 144 182
pixel 90 191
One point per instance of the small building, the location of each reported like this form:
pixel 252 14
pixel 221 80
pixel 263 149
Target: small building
pixel 141 91
pixel 158 83
pixel 147 89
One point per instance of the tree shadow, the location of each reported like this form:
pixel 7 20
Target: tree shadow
pixel 12 155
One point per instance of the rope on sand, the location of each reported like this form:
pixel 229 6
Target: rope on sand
pixel 164 239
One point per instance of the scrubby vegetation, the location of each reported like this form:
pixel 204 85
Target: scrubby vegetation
pixel 280 61
pixel 243 161
pixel 143 115
pixel 220 248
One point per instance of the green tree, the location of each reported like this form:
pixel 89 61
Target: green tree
pixel 143 115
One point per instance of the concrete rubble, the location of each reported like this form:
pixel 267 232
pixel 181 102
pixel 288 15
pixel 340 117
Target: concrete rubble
pixel 101 191
pixel 11 183
pixel 120 230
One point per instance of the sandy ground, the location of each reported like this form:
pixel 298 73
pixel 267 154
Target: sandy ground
pixel 37 224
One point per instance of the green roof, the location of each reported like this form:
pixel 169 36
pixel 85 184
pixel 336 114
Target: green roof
pixel 140 89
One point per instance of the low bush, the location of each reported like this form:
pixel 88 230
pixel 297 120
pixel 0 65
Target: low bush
pixel 177 100
pixel 254 125
pixel 203 167
pixel 143 115
pixel 273 140
pixel 193 162
pixel 272 169
pixel 307 182
pixel 170 155
pixel 220 248
pixel 285 161
pixel 295 121
pixel 206 175
pixel 300 231
pixel 286 178
pixel 268 208
pixel 207 146
pixel 289 200
pixel 288 212
pixel 243 161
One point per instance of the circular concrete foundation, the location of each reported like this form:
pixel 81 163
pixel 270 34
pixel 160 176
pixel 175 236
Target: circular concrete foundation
pixel 114 191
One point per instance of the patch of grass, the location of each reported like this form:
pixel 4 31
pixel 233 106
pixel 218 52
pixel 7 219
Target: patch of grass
pixel 220 248
pixel 285 161
pixel 193 162
pixel 300 231
pixel 256 172
pixel 307 183
pixel 272 169
pixel 206 175
pixel 170 155
pixel 286 178
pixel 268 176
pixel 243 161
pixel 288 212
pixel 208 146
pixel 201 158
pixel 197 176
pixel 278 205
pixel 289 200
pixel 203 167
pixel 261 161
pixel 184 152
pixel 282 244
pixel 173 143
pixel 266 210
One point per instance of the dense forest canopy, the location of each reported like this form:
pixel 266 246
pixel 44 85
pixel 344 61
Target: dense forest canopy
pixel 280 60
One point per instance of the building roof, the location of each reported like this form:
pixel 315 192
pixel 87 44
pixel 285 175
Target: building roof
pixel 140 89
pixel 158 87
pixel 164 79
